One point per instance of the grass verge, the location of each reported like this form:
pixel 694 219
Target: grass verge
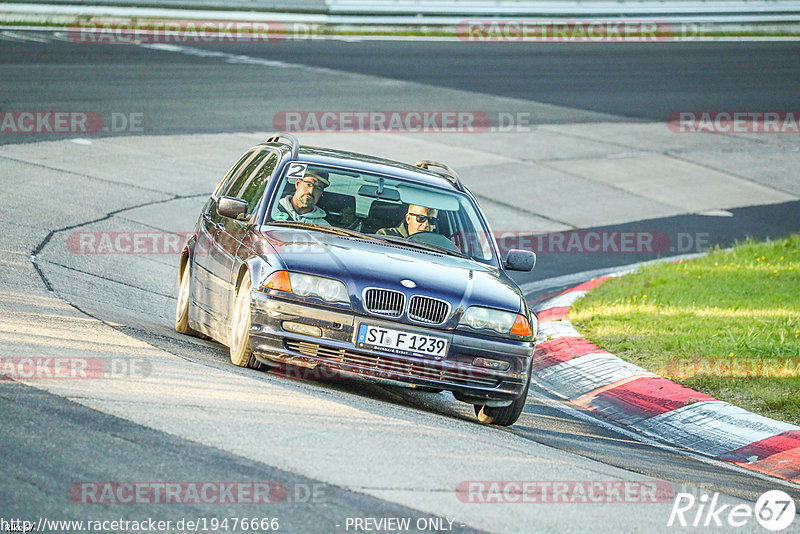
pixel 727 324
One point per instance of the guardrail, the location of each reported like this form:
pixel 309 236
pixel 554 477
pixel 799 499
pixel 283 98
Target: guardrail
pixel 446 11
pixel 583 8
pixel 753 19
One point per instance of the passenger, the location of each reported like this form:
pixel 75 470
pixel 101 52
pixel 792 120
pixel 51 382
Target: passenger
pixel 302 206
pixel 418 219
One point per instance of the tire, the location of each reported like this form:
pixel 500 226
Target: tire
pixel 241 354
pixel 505 416
pixel 182 306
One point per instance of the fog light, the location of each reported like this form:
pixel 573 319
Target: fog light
pixel 300 328
pixel 497 365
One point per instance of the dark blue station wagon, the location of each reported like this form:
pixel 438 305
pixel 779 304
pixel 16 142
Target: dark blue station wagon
pixel 367 267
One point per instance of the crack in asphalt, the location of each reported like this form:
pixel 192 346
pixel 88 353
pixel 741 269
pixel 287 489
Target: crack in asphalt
pixel 106 278
pixel 82 175
pixel 46 282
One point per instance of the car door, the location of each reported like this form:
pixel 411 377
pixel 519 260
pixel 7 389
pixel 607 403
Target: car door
pixel 249 186
pixel 204 285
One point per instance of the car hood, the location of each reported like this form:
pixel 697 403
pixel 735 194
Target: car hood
pixel 363 263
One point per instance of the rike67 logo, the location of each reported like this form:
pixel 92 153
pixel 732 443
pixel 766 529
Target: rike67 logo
pixel 774 510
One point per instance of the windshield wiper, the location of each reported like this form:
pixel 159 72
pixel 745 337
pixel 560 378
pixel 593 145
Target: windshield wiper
pixel 424 246
pixel 327 229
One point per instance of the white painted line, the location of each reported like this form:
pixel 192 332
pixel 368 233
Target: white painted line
pixel 584 374
pixel 712 427
pixel 557 329
pixel 21 37
pixel 653 441
pixel 562 301
pixel 229 58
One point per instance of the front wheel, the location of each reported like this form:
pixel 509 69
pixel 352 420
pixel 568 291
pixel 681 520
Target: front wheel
pixel 241 354
pixel 505 416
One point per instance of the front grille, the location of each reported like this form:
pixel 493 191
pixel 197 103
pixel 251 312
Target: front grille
pixel 374 365
pixel 428 310
pixel 384 302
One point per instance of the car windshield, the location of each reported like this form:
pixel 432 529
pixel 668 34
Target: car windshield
pixel 384 207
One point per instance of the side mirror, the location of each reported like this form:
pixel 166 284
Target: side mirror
pixel 520 260
pixel 232 208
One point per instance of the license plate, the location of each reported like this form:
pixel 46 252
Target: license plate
pixel 401 342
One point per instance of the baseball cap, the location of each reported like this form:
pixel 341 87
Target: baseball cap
pixel 320 176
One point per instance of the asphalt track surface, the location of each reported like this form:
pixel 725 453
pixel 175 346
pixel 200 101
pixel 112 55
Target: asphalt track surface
pixel 616 81
pixel 180 93
pixel 646 81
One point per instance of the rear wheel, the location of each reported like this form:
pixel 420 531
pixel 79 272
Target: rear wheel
pixel 182 308
pixel 505 416
pixel 241 354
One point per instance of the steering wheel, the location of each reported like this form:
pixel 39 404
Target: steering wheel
pixel 432 238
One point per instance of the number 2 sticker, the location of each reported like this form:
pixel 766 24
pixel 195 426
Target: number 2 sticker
pixel 297 171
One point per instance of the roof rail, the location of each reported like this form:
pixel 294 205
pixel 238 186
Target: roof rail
pixel 290 137
pixel 449 174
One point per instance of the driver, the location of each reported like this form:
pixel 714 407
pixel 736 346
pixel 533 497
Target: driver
pixel 418 219
pixel 302 206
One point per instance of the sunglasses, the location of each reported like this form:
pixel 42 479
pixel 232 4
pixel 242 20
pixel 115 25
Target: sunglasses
pixel 423 218
pixel 312 185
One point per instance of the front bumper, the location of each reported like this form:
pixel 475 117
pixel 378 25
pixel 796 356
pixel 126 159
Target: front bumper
pixel 333 346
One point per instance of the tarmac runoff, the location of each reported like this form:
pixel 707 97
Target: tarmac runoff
pixel 592 378
pixel 91 305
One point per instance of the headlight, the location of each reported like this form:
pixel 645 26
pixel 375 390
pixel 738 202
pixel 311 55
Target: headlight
pixel 327 289
pixel 306 285
pixel 502 322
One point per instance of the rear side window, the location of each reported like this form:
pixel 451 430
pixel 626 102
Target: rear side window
pixel 236 185
pixel 233 173
pixel 254 188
